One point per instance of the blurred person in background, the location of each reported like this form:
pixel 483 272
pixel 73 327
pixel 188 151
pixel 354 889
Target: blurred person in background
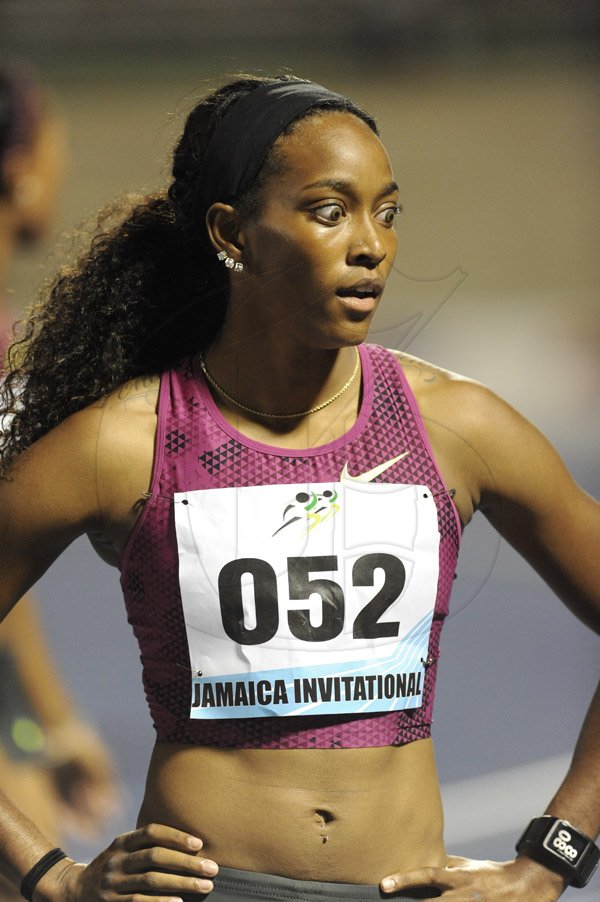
pixel 52 763
pixel 285 504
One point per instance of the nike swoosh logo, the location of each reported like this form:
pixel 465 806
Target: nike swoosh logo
pixel 370 475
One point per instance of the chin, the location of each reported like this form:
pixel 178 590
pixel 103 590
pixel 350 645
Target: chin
pixel 341 332
pixel 349 337
pixel 356 329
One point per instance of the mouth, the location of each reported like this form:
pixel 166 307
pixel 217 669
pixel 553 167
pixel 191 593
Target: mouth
pixel 367 288
pixel 362 297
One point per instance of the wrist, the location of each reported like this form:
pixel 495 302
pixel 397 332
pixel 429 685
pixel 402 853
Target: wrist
pixel 58 884
pixel 558 846
pixel 534 874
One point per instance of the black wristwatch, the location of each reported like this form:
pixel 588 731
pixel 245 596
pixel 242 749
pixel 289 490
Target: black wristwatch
pixel 562 848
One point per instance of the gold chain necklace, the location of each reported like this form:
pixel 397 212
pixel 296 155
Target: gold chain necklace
pixel 278 416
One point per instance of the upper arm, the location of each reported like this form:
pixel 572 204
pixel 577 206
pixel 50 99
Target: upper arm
pixel 48 499
pixel 529 496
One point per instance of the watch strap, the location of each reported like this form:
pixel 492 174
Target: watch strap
pixel 559 846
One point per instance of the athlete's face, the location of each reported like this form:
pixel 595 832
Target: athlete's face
pixel 320 251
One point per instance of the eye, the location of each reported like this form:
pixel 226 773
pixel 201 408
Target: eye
pixel 329 213
pixel 388 215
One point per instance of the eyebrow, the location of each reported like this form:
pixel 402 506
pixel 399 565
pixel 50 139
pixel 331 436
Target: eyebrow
pixel 346 187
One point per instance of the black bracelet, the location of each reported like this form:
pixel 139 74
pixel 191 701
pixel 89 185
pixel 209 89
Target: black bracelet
pixel 31 880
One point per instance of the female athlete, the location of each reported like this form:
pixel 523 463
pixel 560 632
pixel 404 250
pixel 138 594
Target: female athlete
pixel 285 503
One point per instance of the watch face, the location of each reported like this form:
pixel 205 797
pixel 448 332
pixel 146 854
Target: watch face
pixel 565 843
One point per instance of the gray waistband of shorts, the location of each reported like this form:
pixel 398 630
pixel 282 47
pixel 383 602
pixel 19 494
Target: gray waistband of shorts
pixel 233 884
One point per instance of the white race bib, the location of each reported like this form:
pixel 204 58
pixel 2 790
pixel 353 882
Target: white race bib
pixel 307 599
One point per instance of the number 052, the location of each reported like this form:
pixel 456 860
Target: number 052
pixel 302 584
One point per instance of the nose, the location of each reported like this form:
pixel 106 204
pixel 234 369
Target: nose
pixel 367 249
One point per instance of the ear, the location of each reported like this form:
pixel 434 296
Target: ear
pixel 224 226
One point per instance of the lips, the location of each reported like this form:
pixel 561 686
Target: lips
pixel 361 298
pixel 366 288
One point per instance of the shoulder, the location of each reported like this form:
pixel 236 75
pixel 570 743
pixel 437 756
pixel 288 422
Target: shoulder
pixel 506 449
pixel 83 476
pixel 517 479
pixel 109 424
pixel 138 395
pixel 125 428
pixel 469 402
pixel 450 398
pixel 126 417
pixel 66 465
pixel 110 421
pixel 427 379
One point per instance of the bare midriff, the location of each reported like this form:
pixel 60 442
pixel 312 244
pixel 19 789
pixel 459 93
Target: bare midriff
pixel 344 815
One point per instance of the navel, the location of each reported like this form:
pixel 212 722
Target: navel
pixel 323 817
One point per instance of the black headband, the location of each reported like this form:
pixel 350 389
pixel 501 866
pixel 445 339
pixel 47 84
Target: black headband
pixel 241 141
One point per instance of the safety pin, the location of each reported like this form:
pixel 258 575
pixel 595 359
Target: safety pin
pixel 450 492
pixel 197 673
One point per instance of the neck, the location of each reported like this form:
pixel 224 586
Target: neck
pixel 268 378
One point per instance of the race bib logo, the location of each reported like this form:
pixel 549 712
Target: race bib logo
pixel 308 509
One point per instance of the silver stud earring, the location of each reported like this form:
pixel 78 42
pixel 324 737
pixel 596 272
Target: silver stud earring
pixel 229 262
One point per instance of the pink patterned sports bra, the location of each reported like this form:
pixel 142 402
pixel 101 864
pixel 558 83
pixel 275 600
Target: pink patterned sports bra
pixel 291 598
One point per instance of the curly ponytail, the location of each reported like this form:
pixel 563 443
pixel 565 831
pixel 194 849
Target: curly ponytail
pixel 146 293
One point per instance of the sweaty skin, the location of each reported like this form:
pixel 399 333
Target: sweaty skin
pixel 306 814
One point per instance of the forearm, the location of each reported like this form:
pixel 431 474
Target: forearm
pixel 578 798
pixel 21 844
